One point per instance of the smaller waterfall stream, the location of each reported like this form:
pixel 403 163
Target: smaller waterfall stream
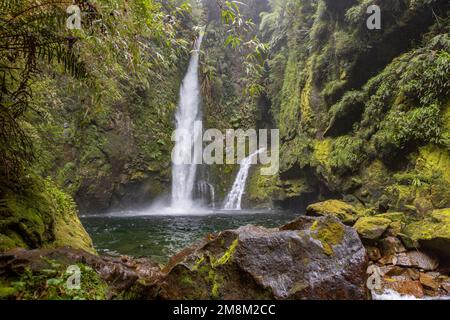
pixel 234 198
pixel 207 193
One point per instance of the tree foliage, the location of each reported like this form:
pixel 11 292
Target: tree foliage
pixel 29 32
pixel 120 42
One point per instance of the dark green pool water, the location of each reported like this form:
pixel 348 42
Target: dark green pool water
pixel 159 237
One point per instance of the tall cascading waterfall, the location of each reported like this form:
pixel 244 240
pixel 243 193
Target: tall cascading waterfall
pixel 234 198
pixel 188 112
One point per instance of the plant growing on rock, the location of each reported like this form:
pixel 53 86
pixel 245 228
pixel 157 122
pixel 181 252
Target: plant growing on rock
pixel 347 154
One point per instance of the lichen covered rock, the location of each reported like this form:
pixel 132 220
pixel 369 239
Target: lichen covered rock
pixel 393 216
pixel 310 258
pixel 371 228
pixel 42 215
pixel 432 233
pixel 345 212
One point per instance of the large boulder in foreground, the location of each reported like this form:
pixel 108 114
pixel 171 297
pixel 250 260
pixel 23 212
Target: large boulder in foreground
pixel 432 233
pixel 340 209
pixel 310 258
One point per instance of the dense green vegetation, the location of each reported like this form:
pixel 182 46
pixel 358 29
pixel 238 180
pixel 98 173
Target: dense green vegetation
pixel 51 284
pixel 86 115
pixel 88 109
pixel 96 118
pixel 353 104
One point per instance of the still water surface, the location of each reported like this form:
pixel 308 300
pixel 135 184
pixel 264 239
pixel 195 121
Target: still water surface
pixel 160 236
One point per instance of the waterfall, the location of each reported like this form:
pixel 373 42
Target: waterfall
pixel 233 200
pixel 206 192
pixel 213 195
pixel 188 112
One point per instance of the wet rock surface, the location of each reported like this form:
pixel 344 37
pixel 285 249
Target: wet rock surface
pixel 412 273
pixel 310 258
pixel 407 254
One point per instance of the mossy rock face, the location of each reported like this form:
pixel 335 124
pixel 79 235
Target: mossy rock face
pixel 7 242
pixel 262 190
pixel 434 160
pixel 345 212
pixel 7 292
pixel 321 154
pixel 363 127
pixel 267 191
pixel 398 220
pixel 301 260
pixel 119 151
pixel 371 228
pixel 433 232
pixel 393 216
pixel 41 216
pixel 422 189
pixel 375 177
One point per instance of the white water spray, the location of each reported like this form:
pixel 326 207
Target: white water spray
pixel 183 175
pixel 207 193
pixel 234 198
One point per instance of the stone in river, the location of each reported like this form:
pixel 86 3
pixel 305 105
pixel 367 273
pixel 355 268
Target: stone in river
pixel 428 281
pixel 405 287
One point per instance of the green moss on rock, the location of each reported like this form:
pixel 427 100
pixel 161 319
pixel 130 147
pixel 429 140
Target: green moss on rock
pixel 347 155
pixel 363 126
pixel 322 151
pixel 432 232
pixel 434 160
pixel 41 216
pixel 228 255
pixel 393 216
pixel 262 190
pixel 7 292
pixel 345 212
pixel 329 232
pixel 371 228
